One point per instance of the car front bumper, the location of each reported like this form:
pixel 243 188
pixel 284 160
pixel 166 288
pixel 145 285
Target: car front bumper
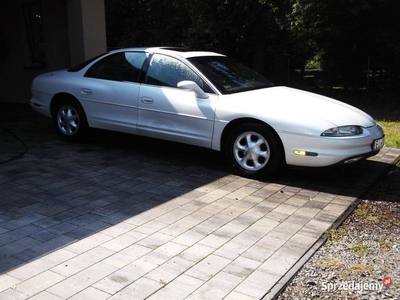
pixel 321 151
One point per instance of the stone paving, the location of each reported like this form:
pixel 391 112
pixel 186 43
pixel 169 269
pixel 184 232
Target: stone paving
pixel 124 217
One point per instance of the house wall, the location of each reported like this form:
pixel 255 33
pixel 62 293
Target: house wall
pixel 73 31
pixel 87 28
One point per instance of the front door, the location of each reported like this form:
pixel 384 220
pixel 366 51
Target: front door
pixel 170 113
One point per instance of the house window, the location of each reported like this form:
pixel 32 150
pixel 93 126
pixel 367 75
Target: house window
pixel 34 37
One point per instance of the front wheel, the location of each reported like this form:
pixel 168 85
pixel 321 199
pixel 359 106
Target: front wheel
pixel 70 121
pixel 253 150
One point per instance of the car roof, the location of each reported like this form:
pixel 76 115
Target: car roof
pixel 173 51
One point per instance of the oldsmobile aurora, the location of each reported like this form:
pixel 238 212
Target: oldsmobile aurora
pixel 209 100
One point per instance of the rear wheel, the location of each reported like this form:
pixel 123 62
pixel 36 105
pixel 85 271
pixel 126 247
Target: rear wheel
pixel 253 150
pixel 70 120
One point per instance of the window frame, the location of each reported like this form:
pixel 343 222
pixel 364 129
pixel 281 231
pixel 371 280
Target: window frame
pixel 204 85
pixel 91 72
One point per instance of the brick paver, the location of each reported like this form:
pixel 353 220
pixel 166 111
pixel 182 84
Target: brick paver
pixel 122 217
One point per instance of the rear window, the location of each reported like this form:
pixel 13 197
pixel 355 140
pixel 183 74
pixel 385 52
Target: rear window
pixel 84 64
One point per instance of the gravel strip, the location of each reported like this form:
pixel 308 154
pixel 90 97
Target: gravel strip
pixel 361 258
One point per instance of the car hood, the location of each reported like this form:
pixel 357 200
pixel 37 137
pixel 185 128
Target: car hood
pixel 289 109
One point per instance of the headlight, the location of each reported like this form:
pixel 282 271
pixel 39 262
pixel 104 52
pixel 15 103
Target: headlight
pixel 343 131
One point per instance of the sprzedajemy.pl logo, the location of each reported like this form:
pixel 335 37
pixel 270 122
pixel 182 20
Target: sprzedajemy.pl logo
pixel 356 286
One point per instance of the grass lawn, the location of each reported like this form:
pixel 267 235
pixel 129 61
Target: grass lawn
pixel 392 133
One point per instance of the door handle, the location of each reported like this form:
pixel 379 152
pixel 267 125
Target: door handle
pixel 147 100
pixel 86 91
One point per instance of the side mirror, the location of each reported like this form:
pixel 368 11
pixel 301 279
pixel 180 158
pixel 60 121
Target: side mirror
pixel 192 86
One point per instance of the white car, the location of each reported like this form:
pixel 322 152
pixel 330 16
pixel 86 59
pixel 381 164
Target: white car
pixel 209 100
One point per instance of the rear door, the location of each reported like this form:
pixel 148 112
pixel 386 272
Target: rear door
pixel 109 93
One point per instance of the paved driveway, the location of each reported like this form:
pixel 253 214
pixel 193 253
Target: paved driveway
pixel 123 217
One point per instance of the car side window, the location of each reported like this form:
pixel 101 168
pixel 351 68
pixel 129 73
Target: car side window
pixel 168 71
pixel 122 66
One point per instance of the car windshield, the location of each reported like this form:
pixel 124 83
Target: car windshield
pixel 228 75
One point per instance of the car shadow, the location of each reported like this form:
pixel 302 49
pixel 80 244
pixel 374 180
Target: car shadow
pixel 59 193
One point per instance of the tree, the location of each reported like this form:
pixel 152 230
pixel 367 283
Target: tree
pixel 272 36
pixel 145 23
pixel 351 33
pixel 253 31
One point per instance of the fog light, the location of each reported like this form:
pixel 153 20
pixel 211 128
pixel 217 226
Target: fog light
pixel 300 152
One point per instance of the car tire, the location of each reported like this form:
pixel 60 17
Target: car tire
pixel 254 150
pixel 70 121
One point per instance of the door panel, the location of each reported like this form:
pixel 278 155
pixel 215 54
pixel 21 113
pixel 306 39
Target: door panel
pixel 176 115
pixel 109 92
pixel 170 113
pixel 111 105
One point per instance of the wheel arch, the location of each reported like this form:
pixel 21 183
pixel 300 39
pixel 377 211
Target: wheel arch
pixel 73 126
pixel 63 98
pixel 237 122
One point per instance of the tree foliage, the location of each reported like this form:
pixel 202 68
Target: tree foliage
pixel 353 37
pixel 272 36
